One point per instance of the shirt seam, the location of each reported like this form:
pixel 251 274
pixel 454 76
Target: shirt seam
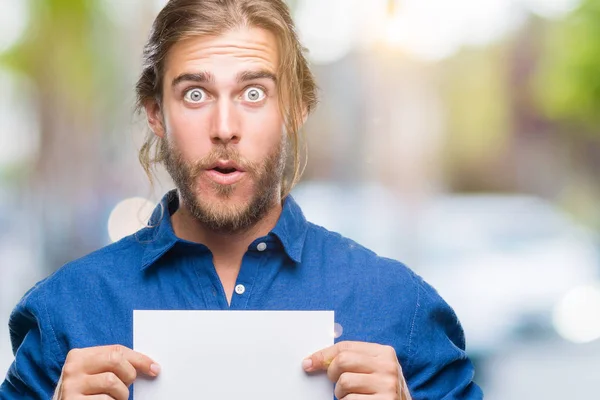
pixel 261 262
pixel 18 376
pixel 155 257
pixel 201 285
pixel 412 326
pixel 54 336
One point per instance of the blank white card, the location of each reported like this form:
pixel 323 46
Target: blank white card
pixel 227 355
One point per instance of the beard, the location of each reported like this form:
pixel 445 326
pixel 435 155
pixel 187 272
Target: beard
pixel 221 215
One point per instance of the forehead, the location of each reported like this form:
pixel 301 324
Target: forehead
pixel 242 49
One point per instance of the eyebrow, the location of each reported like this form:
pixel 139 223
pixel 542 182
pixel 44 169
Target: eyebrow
pixel 199 77
pixel 207 77
pixel 253 75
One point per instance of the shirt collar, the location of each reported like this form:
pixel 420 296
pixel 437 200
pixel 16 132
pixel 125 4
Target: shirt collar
pixel 159 237
pixel 291 229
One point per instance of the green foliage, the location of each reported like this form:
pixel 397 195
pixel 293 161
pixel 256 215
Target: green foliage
pixel 476 95
pixel 58 50
pixel 567 86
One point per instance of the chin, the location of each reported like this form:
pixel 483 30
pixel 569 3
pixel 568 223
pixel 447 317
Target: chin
pixel 229 196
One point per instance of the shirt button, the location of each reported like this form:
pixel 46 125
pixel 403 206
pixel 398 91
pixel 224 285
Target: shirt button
pixel 261 247
pixel 240 289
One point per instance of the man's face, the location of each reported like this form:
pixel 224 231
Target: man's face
pixel 223 128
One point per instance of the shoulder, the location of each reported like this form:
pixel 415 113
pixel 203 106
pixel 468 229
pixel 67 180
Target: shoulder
pixel 355 264
pixel 385 287
pixel 347 261
pixel 74 285
pixel 352 256
pixel 78 277
pixel 120 258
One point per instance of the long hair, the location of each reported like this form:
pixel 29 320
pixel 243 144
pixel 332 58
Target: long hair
pixel 182 19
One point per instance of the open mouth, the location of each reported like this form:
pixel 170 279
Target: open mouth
pixel 225 170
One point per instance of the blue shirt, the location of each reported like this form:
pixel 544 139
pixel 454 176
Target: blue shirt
pixel 90 301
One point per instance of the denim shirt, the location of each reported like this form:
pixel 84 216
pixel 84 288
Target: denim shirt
pixel 297 266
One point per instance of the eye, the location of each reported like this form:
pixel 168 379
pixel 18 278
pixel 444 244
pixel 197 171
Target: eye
pixel 254 94
pixel 194 95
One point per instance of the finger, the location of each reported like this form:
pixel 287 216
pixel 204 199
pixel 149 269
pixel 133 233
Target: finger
pixel 118 359
pixel 117 363
pixel 322 359
pixel 92 361
pixel 106 383
pixel 351 382
pixel 350 361
pixel 142 363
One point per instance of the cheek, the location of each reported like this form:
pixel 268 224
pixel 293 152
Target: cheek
pixel 188 131
pixel 263 132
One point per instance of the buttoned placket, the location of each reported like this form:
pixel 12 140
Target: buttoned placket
pixel 253 260
pixel 212 287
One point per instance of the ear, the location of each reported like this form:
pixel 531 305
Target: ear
pixel 155 117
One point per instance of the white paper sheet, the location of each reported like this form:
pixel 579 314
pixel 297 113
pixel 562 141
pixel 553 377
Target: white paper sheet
pixel 232 355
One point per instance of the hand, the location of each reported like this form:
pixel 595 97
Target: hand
pixel 361 371
pixel 104 372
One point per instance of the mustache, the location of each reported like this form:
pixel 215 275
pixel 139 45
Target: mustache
pixel 225 154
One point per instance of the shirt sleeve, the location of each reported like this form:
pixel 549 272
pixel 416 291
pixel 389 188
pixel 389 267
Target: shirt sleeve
pixel 35 371
pixel 438 367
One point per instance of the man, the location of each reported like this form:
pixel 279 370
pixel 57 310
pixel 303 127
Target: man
pixel 226 88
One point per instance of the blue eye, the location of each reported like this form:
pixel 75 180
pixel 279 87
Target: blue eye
pixel 195 95
pixel 254 94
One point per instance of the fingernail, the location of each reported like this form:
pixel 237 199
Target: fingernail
pixel 307 363
pixel 155 369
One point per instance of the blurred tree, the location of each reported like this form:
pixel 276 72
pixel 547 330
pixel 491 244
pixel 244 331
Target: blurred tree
pixel 567 92
pixel 523 113
pixel 568 82
pixel 65 54
pixel 474 87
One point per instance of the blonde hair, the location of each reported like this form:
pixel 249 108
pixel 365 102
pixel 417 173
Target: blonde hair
pixel 181 19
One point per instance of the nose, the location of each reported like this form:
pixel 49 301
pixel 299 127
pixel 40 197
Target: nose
pixel 227 124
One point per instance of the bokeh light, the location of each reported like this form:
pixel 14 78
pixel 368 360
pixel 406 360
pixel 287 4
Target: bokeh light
pixel 338 330
pixel 129 216
pixel 328 33
pixel 577 315
pixel 13 22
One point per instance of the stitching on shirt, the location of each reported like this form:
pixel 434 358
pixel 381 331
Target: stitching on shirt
pixel 200 284
pixel 261 262
pixel 45 303
pixel 18 376
pixel 412 326
pixel 156 256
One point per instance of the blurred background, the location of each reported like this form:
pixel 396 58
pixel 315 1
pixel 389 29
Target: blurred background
pixel 462 136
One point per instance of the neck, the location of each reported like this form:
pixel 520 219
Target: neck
pixel 228 249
